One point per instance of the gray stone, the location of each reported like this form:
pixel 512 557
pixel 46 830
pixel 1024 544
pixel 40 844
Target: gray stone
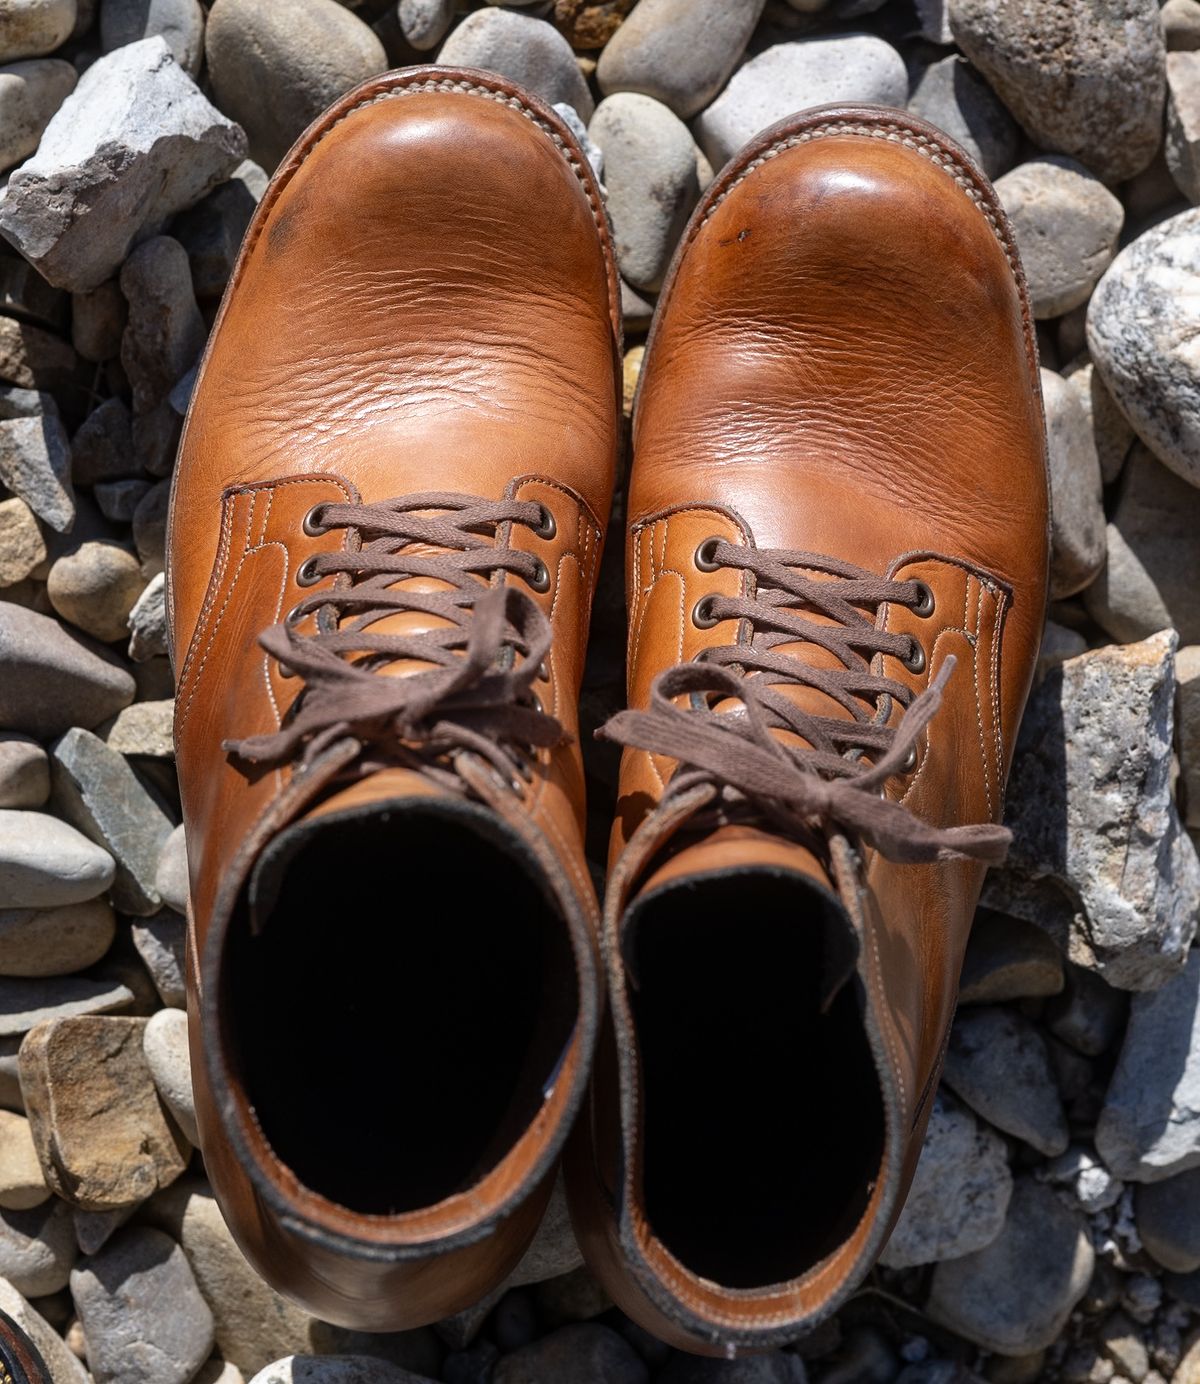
pixel 179 22
pixel 22 547
pixel 45 862
pixel 1014 1296
pixel 150 528
pixel 30 93
pixel 959 1195
pixel 1083 79
pixel 276 67
pixel 37 1248
pixel 1187 678
pixel 337 1369
pixel 1008 959
pixel 118 500
pixel 1099 856
pixel 586 1353
pixel 1181 25
pixel 1066 223
pixel 141 1312
pixel 26 1003
pixel 1094 1186
pixel 102 448
pixel 1058 644
pixel 954 97
pixel 570 1297
pixel 93 1229
pixel 62 1366
pixel 156 437
pixel 35 464
pixel 53 679
pixel 849 67
pixel 95 587
pixel 997 1063
pixel 1089 1014
pixel 211 232
pixel 161 942
pixel 165 332
pixel 97 321
pixel 96 790
pixel 1077 548
pixel 34 358
pixel 1168 1220
pixel 1148 583
pixel 650 173
pixel 1149 1128
pixel 1111 433
pixel 165 1044
pixel 1183 122
pixel 553 1250
pixel 681 52
pixel 172 876
pixel 775 1367
pixel 24 771
pixel 1142 322
pixel 135 142
pixel 523 49
pixel 29 28
pixel 143 729
pixel 55 941
pixel 148 622
pixel 424 22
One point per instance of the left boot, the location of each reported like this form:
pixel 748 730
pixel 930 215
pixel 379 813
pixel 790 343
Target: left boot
pixel 837 574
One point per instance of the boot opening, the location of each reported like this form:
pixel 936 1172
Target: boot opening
pixel 401 1006
pixel 763 1117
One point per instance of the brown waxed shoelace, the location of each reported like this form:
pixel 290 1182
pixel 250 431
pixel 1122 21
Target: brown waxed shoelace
pixel 476 695
pixel 829 781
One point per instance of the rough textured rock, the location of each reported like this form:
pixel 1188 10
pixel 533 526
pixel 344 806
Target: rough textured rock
pixel 1066 223
pixel 29 28
pixel 681 52
pixel 1183 122
pixel 135 142
pixel 1085 80
pixel 165 1044
pixel 586 1352
pixel 142 1315
pixel 1077 548
pixel 30 93
pixel 1141 326
pixel 55 941
pixel 35 464
pixel 22 1185
pixel 102 448
pixel 147 622
pixel 63 1366
pixel 95 587
pixel 45 863
pixel 1014 1295
pixel 790 76
pixel 524 49
pixel 1149 1128
pixel 179 22
pixel 52 678
pixel 160 942
pixel 997 1062
pixel 102 1137
pixel 1147 583
pixel 24 771
pixel 1168 1220
pixel 955 98
pixel 959 1195
pixel 1099 856
pixel 143 729
pixel 1008 959
pixel 22 546
pixel 650 173
pixel 165 333
pixel 37 1248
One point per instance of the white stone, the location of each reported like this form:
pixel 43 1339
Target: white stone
pixel 165 1043
pixel 45 862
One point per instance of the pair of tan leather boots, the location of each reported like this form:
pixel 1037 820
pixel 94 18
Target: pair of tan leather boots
pixel 386 525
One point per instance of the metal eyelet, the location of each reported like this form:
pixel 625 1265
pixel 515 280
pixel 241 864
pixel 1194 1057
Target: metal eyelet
pixel 925 600
pixel 914 660
pixel 540 581
pixel 312 525
pixel 286 672
pixel 548 526
pixel 702 616
pixel 543 671
pixel 910 760
pixel 537 704
pixel 704 554
pixel 294 616
pixel 306 574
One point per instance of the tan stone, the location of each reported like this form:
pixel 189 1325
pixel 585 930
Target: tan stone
pixel 102 1136
pixel 633 368
pixel 55 941
pixel 22 547
pixel 21 1182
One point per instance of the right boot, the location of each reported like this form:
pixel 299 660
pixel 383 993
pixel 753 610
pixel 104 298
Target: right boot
pixel 385 530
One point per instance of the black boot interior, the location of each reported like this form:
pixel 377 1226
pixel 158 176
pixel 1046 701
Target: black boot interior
pixel 401 1004
pixel 764 1123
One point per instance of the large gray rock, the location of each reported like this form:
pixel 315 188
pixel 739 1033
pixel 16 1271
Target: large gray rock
pixel 30 93
pixel 1099 856
pixel 29 28
pixel 53 679
pixel 179 22
pixel 790 76
pixel 681 52
pixel 96 790
pixel 135 142
pixel 1183 122
pixel 1142 324
pixel 55 941
pixel 1066 223
pixel 1148 582
pixel 1084 77
pixel 954 97
pixel 1149 1128
pixel 650 173
pixel 45 863
pixel 276 67
pixel 523 49
pixel 142 1315
pixel 64 1367
pixel 1168 1220
pixel 37 1248
pixel 1014 1296
pixel 959 1195
pixel 35 464
pixel 1077 547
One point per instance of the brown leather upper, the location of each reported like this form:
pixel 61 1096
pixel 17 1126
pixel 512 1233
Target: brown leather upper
pixel 843 363
pixel 426 300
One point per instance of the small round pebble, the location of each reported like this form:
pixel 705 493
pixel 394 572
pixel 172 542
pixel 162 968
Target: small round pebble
pixel 95 587
pixel 165 1043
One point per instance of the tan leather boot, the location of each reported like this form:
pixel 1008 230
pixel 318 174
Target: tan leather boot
pixel 385 530
pixel 837 568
